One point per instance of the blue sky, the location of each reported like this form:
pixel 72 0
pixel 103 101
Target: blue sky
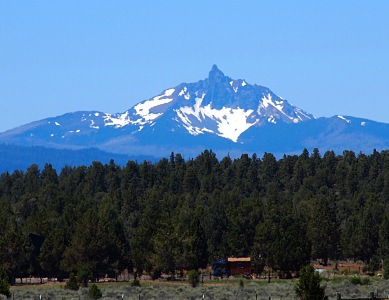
pixel 326 57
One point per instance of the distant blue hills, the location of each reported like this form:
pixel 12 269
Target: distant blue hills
pixel 15 157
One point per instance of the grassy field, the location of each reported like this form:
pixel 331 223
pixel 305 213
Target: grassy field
pixel 215 289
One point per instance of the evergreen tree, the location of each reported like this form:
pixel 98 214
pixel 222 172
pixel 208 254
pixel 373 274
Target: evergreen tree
pixel 84 275
pixel 94 292
pixel 166 245
pixel 72 283
pixel 195 211
pixel 385 266
pixel 384 236
pixel 4 285
pixel 365 234
pixel 292 251
pixel 196 244
pixel 308 287
pixel 193 278
pixel 54 246
pixel 324 231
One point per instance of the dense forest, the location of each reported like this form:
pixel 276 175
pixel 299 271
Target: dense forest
pixel 175 214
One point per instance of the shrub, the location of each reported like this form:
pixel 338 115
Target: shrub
pixel 372 266
pixel 241 284
pixel 365 280
pixel 193 278
pixel 345 272
pixel 355 280
pixel 336 267
pixel 156 274
pixel 135 282
pixel 385 266
pixel 308 286
pixel 94 292
pixel 337 272
pixel 4 286
pixel 72 283
pixel 84 275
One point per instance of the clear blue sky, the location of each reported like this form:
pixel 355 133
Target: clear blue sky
pixel 326 57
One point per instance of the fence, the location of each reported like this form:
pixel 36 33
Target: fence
pixel 372 296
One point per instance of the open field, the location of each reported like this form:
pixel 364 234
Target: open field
pixel 215 289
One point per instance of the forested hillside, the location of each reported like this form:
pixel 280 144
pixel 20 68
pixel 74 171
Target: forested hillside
pixel 176 214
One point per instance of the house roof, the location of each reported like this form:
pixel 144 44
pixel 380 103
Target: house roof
pixel 232 259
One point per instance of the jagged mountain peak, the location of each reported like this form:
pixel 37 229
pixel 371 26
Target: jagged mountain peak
pixel 216 75
pixel 217 105
pixel 218 113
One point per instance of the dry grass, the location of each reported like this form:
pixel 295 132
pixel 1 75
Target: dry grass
pixel 221 289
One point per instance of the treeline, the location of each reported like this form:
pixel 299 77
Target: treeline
pixel 176 214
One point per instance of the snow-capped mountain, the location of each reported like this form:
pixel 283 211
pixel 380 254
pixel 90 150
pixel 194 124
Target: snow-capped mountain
pixel 218 105
pixel 218 112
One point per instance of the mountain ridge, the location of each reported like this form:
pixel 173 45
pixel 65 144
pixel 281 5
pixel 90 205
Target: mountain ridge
pixel 220 113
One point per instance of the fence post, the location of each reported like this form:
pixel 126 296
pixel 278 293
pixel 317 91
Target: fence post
pixel 338 296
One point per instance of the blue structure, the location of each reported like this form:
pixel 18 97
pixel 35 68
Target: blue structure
pixel 221 268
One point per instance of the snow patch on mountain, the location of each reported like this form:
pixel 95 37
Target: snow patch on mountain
pixel 117 120
pixel 184 93
pixel 231 123
pixel 272 120
pixel 143 109
pixel 272 108
pixel 267 100
pixel 92 125
pixel 301 112
pixel 343 118
pixel 142 113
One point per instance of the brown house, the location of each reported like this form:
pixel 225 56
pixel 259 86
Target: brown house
pixel 240 265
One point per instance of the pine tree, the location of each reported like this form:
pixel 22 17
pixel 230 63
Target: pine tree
pixel 324 232
pixel 196 245
pixel 94 292
pixel 385 266
pixel 193 278
pixel 292 251
pixel 384 236
pixel 84 275
pixel 4 285
pixel 308 287
pixel 72 283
